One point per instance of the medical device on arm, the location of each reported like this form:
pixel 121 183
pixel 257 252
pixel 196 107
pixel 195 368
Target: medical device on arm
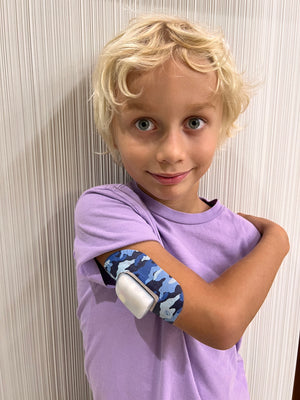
pixel 143 286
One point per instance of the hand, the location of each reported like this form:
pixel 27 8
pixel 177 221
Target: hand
pixel 268 227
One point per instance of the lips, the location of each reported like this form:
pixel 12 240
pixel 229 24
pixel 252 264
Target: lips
pixel 170 179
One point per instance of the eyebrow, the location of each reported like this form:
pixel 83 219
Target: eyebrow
pixel 134 105
pixel 200 106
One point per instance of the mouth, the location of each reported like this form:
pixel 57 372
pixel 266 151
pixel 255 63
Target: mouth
pixel 170 179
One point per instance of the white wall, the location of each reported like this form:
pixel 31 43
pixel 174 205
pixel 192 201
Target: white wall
pixel 47 146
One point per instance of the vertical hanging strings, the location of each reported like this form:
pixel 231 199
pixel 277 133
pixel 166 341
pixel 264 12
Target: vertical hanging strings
pixel 47 147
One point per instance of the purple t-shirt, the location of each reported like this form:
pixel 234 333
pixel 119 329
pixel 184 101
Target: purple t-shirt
pixel 150 359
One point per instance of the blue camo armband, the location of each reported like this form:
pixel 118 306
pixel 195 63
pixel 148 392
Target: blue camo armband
pixel 165 291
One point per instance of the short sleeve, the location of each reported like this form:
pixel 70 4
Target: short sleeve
pixel 107 218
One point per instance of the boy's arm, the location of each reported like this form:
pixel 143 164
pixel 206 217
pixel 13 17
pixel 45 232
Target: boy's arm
pixel 218 313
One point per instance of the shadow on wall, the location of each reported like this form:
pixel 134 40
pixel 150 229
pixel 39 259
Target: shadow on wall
pixel 41 335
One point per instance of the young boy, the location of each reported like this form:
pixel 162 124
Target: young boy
pixel 166 94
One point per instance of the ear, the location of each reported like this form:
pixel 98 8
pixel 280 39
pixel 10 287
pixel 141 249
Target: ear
pixel 115 149
pixel 114 142
pixel 113 134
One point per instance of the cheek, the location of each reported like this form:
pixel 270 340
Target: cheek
pixel 204 152
pixel 132 157
pixel 133 149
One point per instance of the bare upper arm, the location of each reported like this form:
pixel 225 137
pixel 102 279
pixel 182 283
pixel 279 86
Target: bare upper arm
pixel 217 313
pixel 200 316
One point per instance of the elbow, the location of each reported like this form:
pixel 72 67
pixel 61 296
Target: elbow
pixel 226 342
pixel 228 329
pixel 220 325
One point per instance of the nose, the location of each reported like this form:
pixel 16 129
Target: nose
pixel 171 147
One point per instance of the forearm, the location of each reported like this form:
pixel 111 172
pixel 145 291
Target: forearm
pixel 253 275
pixel 232 300
pixel 217 313
pixel 243 287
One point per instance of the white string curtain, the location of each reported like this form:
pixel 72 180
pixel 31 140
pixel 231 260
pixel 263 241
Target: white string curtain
pixel 47 149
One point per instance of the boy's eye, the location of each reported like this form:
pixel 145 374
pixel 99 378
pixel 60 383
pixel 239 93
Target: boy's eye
pixel 195 123
pixel 144 124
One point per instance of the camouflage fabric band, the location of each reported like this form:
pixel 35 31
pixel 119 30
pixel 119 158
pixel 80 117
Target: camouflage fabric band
pixel 158 281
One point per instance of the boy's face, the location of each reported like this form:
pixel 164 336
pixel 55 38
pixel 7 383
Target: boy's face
pixel 167 136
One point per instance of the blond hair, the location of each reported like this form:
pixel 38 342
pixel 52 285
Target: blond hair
pixel 148 42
